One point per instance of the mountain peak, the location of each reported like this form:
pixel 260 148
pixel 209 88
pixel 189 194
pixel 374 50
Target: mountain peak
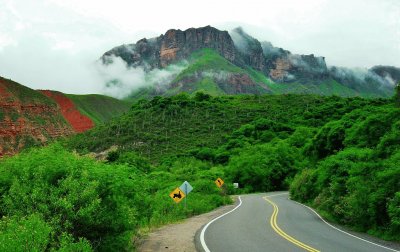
pixel 175 45
pixel 261 61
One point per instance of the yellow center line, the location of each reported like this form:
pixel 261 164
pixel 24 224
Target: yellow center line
pixel 279 231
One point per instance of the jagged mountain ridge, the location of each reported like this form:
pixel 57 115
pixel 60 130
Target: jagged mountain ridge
pixel 34 117
pixel 261 67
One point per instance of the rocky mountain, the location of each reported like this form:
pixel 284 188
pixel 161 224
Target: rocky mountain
pixel 390 73
pixel 221 62
pixel 29 117
pixel 173 46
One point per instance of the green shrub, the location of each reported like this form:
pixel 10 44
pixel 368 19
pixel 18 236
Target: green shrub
pixel 394 214
pixel 74 195
pixel 263 167
pixel 30 233
pixel 302 187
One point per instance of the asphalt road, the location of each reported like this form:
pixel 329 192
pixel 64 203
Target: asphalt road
pixel 272 222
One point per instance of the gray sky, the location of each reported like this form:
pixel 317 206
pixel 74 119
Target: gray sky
pixel 52 44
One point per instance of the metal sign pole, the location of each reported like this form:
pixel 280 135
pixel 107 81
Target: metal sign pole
pixel 185 194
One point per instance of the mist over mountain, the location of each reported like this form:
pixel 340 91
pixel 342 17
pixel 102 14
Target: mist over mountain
pixel 221 62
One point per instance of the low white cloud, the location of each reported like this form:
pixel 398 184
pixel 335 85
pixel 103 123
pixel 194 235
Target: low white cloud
pixel 362 76
pixel 358 33
pixel 119 80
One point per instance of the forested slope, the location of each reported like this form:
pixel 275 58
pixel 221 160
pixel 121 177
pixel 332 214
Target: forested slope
pixel 339 155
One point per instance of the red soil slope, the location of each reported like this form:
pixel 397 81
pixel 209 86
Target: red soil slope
pixel 78 121
pixel 25 122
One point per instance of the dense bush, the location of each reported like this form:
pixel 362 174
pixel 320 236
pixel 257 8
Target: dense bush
pixel 345 153
pixel 53 199
pixel 73 195
pixel 263 167
pixel 356 179
pixel 166 126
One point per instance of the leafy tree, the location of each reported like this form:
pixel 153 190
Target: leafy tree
pixel 200 96
pixel 344 152
pixel 263 167
pixel 303 186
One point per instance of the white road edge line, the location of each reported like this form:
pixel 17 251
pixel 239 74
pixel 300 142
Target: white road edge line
pixel 202 241
pixel 338 229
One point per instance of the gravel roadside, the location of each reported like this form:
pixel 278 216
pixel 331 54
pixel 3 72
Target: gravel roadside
pixel 179 236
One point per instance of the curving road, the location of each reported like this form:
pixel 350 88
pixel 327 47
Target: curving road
pixel 272 222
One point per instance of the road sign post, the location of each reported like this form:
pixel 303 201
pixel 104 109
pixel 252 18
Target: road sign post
pixel 219 182
pixel 186 194
pixel 177 195
pixel 181 193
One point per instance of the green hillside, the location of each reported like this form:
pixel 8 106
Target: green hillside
pixel 262 142
pixel 339 155
pixel 27 118
pixel 172 125
pixel 22 93
pixel 209 72
pixel 328 87
pixel 99 108
pixel 206 72
pixel 207 60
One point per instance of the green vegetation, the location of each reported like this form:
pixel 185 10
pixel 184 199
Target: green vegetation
pixel 206 72
pixel 99 108
pixel 260 78
pixel 354 174
pixel 207 60
pixel 171 125
pixel 207 85
pixel 329 87
pixel 26 108
pixel 54 200
pixel 24 94
pixel 209 72
pixel 335 88
pixel 341 149
pixel 339 155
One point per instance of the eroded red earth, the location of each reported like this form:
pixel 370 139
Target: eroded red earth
pixel 25 123
pixel 78 121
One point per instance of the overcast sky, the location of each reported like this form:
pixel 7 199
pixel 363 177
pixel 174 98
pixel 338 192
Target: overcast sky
pixel 52 44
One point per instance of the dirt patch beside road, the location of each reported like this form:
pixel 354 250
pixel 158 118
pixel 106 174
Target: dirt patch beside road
pixel 179 237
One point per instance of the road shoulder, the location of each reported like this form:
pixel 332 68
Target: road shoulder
pixel 180 236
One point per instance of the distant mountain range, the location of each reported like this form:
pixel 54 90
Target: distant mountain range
pixel 33 117
pixel 221 62
pixel 204 59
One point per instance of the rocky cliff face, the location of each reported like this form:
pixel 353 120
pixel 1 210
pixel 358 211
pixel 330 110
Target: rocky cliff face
pixel 283 66
pixel 237 47
pixel 173 46
pixel 27 118
pixel 178 45
pixel 250 50
pixel 309 72
pixel 389 73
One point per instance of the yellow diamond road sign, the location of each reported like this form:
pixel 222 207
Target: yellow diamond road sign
pixel 219 182
pixel 177 195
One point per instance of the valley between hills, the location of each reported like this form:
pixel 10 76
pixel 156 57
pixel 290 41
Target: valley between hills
pixel 94 173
